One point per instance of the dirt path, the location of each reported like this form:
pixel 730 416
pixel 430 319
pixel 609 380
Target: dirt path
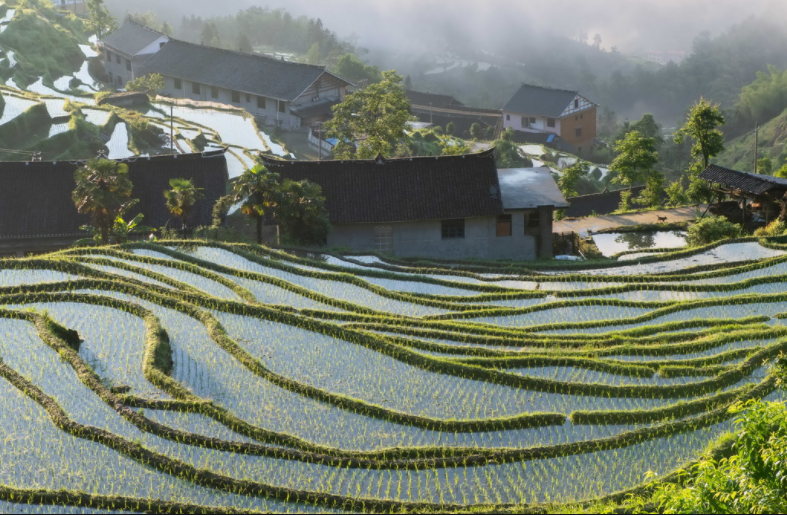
pixel 597 223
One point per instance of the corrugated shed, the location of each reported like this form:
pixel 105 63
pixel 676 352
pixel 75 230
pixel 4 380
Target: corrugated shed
pixel 402 190
pixel 35 199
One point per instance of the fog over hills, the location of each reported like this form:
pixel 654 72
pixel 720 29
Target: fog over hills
pixel 633 27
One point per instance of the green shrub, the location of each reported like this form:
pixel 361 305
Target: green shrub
pixel 711 229
pixel 775 228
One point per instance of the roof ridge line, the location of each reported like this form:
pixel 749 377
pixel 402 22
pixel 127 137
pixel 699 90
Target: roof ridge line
pixel 258 56
pixel 481 154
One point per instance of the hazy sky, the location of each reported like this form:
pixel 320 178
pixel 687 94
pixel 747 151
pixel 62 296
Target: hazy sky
pixel 631 25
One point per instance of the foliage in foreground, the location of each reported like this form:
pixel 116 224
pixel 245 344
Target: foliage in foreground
pixel 710 229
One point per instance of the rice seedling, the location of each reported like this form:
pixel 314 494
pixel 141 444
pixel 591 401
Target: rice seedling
pixel 238 377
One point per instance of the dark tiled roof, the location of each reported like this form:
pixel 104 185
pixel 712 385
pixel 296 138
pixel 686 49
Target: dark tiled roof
pixel 35 199
pixel 424 99
pixel 311 110
pixel 247 73
pixel 754 184
pixel 598 203
pixel 131 38
pixel 402 190
pixel 540 101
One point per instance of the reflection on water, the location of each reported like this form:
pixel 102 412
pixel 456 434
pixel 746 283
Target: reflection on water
pixel 614 243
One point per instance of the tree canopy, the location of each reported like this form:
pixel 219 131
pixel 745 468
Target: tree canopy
pixel 371 121
pixel 103 191
pixel 702 127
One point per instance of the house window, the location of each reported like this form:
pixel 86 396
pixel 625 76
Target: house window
pixel 260 102
pixel 579 132
pixel 532 121
pixel 551 122
pixel 533 222
pixel 128 64
pixel 576 104
pixel 524 121
pixel 248 98
pixel 120 81
pixel 109 56
pixel 195 88
pixel 282 107
pixel 214 92
pixel 117 58
pixel 178 84
pixel 453 229
pixel 581 116
pixel 111 77
pixel 504 223
pixel 508 117
pixel 235 97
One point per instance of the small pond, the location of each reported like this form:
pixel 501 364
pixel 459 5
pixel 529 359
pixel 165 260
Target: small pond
pixel 614 243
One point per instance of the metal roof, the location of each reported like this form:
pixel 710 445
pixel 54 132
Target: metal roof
pixel 539 101
pixel 751 183
pixel 131 38
pixel 246 73
pixel 529 188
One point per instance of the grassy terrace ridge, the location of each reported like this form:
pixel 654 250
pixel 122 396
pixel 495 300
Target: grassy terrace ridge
pixel 439 393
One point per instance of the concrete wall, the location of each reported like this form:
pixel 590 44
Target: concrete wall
pixel 269 115
pixel 515 122
pixel 120 69
pixel 424 239
pixel 586 120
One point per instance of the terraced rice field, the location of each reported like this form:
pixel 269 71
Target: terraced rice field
pixel 214 377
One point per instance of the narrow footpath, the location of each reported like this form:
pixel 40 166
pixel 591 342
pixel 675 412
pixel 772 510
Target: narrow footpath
pixel 597 223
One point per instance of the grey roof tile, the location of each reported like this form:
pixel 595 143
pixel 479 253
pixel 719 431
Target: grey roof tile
pixel 402 190
pixel 131 38
pixel 247 73
pixel 754 184
pixel 535 100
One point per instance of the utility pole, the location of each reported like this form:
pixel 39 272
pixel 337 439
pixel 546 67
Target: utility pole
pixel 756 144
pixel 319 129
pixel 431 120
pixel 172 128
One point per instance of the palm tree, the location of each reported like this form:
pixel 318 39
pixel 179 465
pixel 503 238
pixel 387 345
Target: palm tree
pixel 181 198
pixel 103 191
pixel 258 189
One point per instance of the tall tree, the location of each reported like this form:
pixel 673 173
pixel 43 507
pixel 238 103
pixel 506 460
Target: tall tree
pixel 637 156
pixel 302 214
pixel 180 199
pixel 103 191
pixel 100 21
pixel 167 29
pixel 702 127
pixel 371 121
pixel 244 45
pixel 258 190
pixel 648 127
pixel 570 177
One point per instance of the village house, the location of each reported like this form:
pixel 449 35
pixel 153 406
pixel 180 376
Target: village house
pixel 564 113
pixel 434 109
pixel 77 7
pixel 289 95
pixel 53 221
pixel 126 49
pixel 451 207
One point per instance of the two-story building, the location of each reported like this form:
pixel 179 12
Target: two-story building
pixel 124 50
pixel 450 207
pixel 279 93
pixel 564 113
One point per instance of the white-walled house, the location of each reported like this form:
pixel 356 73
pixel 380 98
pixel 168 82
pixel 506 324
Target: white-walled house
pixel 450 207
pixel 279 93
pixel 126 49
pixel 564 113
